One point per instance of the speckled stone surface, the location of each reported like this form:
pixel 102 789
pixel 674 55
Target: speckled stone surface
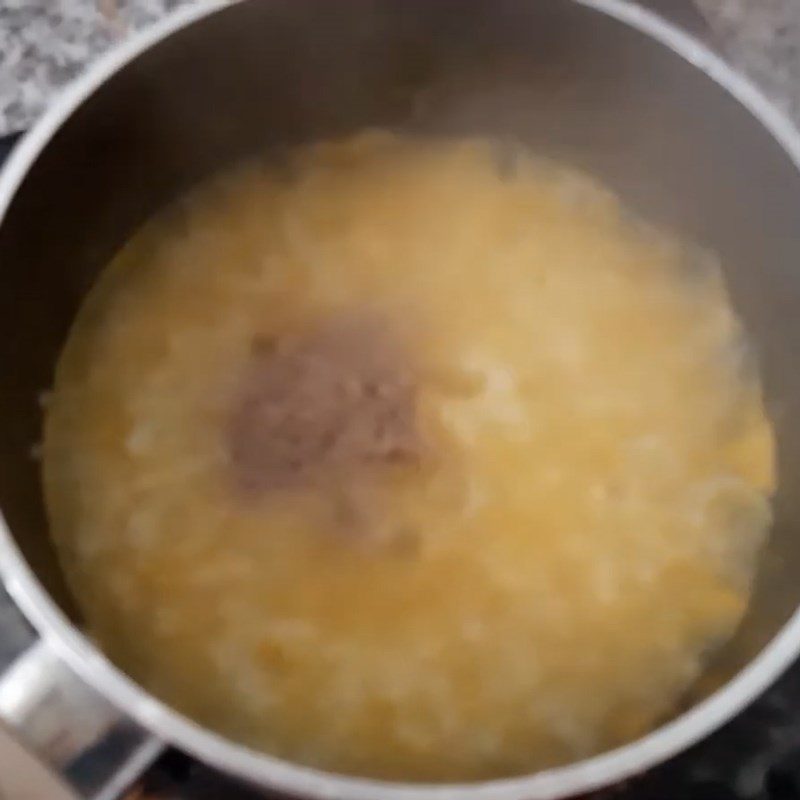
pixel 763 38
pixel 45 43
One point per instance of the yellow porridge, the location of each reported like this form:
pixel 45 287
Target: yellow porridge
pixel 410 460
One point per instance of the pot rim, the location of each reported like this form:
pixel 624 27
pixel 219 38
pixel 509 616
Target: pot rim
pixel 281 775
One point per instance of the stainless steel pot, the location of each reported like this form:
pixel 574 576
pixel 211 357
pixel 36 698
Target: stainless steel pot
pixel 599 83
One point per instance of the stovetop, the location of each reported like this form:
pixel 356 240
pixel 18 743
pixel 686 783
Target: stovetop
pixel 754 757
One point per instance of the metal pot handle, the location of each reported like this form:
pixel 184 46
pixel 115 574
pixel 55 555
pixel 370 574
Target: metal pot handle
pixel 95 748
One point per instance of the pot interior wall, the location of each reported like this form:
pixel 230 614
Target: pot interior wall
pixel 569 81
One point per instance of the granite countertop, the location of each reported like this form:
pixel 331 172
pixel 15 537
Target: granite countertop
pixel 761 37
pixel 45 43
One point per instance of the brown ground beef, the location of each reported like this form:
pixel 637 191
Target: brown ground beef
pixel 323 403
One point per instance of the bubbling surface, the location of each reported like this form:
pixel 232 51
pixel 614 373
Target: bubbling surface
pixel 523 557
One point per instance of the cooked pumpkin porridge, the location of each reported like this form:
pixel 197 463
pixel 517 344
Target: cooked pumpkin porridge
pixel 408 460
